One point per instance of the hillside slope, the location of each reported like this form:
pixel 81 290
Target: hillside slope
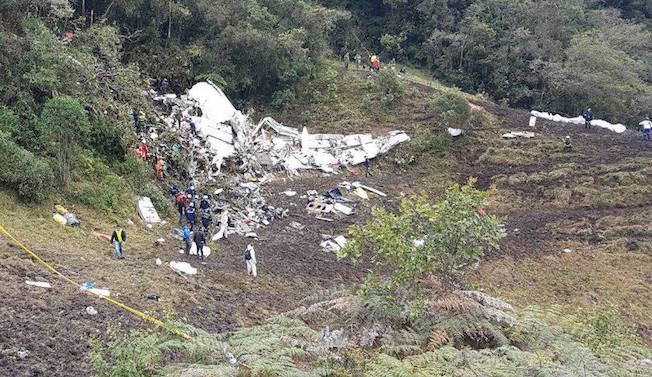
pixel 594 201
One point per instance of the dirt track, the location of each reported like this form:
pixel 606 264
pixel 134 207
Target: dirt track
pixel 53 326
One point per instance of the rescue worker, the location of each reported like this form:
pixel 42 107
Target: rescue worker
pixel 347 58
pixel 174 190
pixel 191 191
pixel 358 60
pixel 250 259
pixel 367 166
pixel 182 203
pixel 160 166
pixel 206 218
pixel 186 238
pixel 567 144
pixel 193 128
pixel 142 119
pixel 143 150
pixel 165 86
pixel 200 240
pixel 647 126
pixel 191 215
pixel 118 237
pixel 375 64
pixel 588 117
pixel 204 204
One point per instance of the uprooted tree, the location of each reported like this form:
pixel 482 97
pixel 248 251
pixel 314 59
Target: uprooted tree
pixel 442 240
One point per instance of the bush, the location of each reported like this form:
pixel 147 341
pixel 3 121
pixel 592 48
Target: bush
pixel 111 195
pixel 390 89
pixel 451 110
pixel 30 176
pixel 442 239
pixel 8 121
pixel 433 143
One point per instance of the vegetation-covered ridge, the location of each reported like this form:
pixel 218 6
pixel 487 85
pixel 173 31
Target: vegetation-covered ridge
pixel 462 334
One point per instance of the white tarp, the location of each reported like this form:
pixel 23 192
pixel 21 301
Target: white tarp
pixel 618 128
pixel 454 132
pixel 515 134
pixel 147 211
pixel 183 267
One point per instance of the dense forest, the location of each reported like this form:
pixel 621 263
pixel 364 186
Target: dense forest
pixel 83 62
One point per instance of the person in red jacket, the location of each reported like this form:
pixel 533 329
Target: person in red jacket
pixel 144 150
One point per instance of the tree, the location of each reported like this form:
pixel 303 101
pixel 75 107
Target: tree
pixel 65 124
pixel 442 239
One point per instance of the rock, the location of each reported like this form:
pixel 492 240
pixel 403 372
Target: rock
pixel 486 300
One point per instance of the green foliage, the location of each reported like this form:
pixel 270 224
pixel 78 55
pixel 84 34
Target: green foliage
pixel 454 232
pixel 133 356
pixel 65 124
pixel 388 91
pixel 31 177
pixel 8 121
pixel 451 110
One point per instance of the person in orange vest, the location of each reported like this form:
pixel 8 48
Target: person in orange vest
pixel 160 165
pixel 144 150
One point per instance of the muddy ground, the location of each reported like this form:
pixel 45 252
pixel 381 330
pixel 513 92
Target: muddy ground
pixel 54 328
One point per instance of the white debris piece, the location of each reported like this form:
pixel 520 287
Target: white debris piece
pixel 329 246
pixel 289 193
pixel 91 310
pixel 340 241
pixel 147 211
pixel 617 128
pixel 42 284
pixel 342 208
pixel 100 292
pixel 360 192
pixel 533 121
pixel 158 261
pixel 183 267
pixel 515 134
pixel 454 132
pixel 367 188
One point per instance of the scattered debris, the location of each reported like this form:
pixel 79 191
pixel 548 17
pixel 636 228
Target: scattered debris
pixel 361 193
pixel 289 193
pixel 154 297
pixel 91 310
pixel 297 225
pixel 515 134
pixel 342 208
pixel 193 250
pixel 455 132
pixel 71 219
pixel 147 211
pixel 101 235
pixel 129 222
pixel 22 354
pixel 567 251
pixel 334 339
pixel 617 128
pixel 333 245
pixel 533 121
pixel 367 188
pixel 42 284
pixel 159 261
pixel 88 287
pixel 183 267
pixel 324 219
pixel 160 241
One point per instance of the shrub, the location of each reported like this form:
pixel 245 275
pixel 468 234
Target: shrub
pixel 389 88
pixel 451 110
pixel 429 142
pixel 424 239
pixel 30 176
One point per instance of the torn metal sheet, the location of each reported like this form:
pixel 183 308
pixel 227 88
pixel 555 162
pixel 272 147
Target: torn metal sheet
pixel 147 211
pixel 367 188
pixel 515 134
pixel 342 208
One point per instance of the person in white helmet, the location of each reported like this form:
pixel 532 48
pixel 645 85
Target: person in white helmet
pixel 250 258
pixel 567 144
pixel 647 126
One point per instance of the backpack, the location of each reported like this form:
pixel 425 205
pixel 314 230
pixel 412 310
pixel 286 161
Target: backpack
pixel 247 255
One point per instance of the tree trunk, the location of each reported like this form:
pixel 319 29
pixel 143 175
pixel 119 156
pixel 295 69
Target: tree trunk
pixel 169 22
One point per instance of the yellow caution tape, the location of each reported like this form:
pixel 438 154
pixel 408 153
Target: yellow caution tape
pixel 120 305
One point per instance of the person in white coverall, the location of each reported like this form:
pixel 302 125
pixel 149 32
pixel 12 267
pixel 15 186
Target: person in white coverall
pixel 250 258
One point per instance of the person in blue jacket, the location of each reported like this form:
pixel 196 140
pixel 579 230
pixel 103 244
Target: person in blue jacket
pixel 187 239
pixel 588 117
pixel 191 215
